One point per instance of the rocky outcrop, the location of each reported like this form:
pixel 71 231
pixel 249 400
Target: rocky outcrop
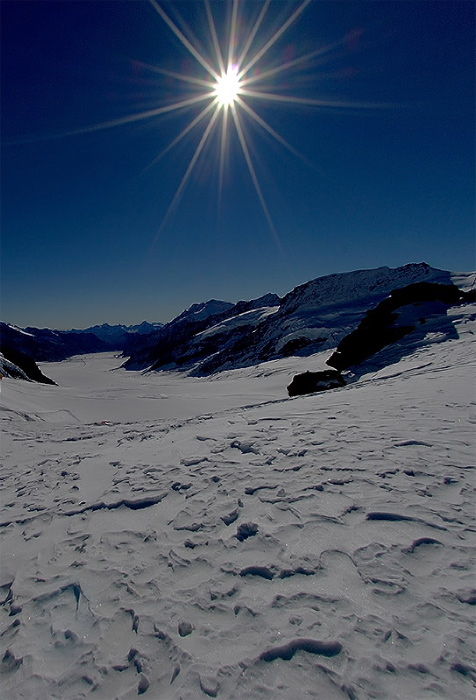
pixel 19 366
pixel 400 314
pixel 394 318
pixel 309 382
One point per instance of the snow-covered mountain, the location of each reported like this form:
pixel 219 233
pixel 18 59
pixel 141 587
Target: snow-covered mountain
pixel 312 317
pixel 179 344
pixel 203 311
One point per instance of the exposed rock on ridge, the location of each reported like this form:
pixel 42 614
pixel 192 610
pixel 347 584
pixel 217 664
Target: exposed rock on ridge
pixel 394 318
pixel 19 366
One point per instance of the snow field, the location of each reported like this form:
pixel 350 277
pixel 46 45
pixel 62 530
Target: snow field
pixel 180 538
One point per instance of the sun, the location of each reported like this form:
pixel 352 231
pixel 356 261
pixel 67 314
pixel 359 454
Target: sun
pixel 227 87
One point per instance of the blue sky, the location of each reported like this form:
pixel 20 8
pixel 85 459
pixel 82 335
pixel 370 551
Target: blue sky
pixel 386 176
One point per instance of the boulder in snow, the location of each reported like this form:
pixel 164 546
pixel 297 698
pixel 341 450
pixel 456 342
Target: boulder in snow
pixel 309 382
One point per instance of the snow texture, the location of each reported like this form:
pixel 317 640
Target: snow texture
pixel 185 538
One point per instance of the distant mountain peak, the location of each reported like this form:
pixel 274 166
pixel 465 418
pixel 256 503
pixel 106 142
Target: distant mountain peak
pixel 203 310
pixel 116 336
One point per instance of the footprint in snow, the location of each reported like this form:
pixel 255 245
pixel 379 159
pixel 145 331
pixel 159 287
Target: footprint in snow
pixel 244 447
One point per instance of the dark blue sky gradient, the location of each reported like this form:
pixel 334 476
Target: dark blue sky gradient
pixel 82 241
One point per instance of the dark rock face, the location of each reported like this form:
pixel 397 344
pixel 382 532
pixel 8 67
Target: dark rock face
pixel 309 382
pixel 27 365
pixel 10 369
pixel 294 346
pixel 386 323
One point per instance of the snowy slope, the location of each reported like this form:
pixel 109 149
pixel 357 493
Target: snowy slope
pixel 185 538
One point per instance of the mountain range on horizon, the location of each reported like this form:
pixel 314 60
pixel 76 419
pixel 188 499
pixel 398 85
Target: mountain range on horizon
pixel 216 336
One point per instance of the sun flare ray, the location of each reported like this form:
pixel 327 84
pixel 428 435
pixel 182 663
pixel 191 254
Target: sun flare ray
pixel 292 99
pixel 186 130
pixel 216 43
pixel 224 133
pixel 173 74
pixel 264 124
pixel 140 116
pixel 254 177
pixel 190 167
pixel 282 67
pixel 253 33
pixel 232 39
pixel 188 44
pixel 279 32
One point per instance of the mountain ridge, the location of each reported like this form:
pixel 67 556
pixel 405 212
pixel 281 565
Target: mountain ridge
pixel 312 317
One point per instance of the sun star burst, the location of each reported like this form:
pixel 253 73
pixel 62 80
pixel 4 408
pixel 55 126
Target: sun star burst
pixel 232 84
pixel 228 87
pixel 235 61
pixel 237 75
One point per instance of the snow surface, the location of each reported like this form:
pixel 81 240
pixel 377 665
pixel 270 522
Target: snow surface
pixel 176 537
pixel 247 318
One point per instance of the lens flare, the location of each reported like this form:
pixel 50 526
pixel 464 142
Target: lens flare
pixel 227 87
